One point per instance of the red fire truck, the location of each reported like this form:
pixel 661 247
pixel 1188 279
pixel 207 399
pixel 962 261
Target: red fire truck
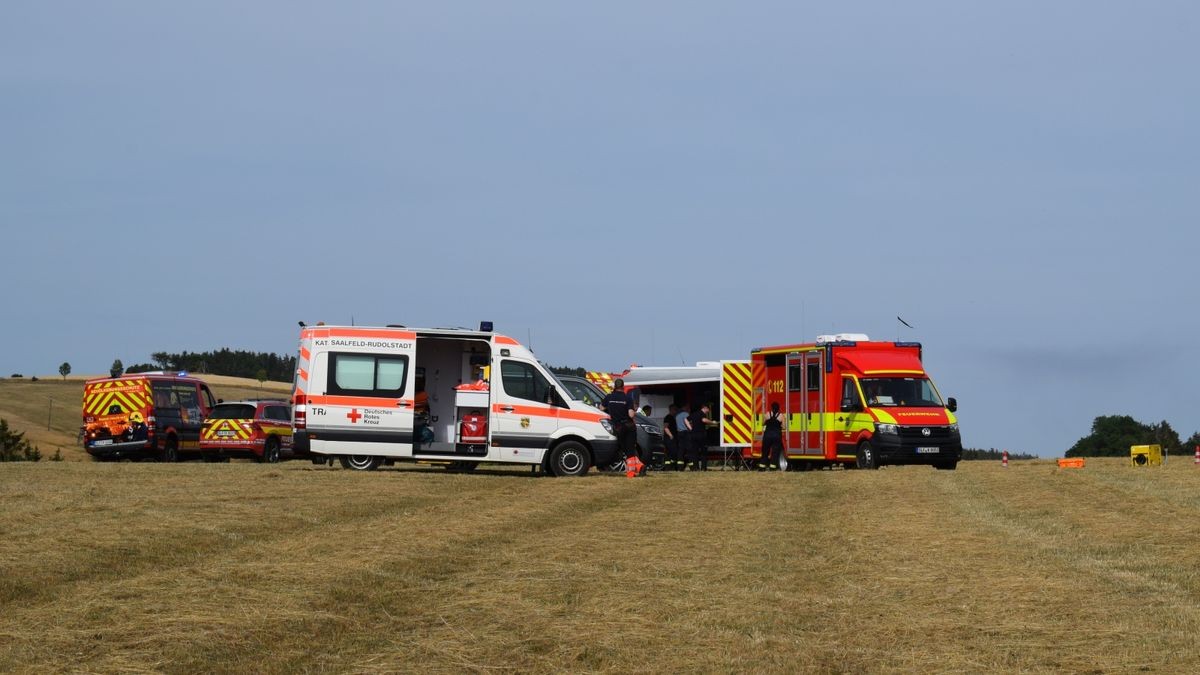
pixel 852 401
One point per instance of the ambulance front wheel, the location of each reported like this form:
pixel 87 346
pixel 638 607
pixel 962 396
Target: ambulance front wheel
pixel 569 459
pixel 170 451
pixel 359 462
pixel 866 456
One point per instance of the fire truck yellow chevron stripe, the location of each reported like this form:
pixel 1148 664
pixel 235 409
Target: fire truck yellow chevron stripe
pixel 212 431
pixel 736 403
pixel 99 403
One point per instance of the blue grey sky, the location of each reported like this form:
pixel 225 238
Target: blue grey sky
pixel 620 182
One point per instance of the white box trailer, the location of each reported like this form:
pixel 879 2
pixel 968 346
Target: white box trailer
pixel 356 392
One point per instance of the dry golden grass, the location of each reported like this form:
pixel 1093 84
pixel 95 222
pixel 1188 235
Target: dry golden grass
pixel 257 568
pixel 29 406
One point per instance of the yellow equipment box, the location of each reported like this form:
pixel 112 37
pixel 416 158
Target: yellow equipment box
pixel 1145 455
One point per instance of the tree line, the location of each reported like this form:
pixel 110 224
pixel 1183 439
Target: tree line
pixel 1112 436
pixel 225 361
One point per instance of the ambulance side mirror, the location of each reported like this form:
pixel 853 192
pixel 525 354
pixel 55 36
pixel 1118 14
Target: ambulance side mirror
pixel 850 405
pixel 951 404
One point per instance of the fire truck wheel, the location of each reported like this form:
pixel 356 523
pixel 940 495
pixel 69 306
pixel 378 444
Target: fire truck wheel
pixel 270 453
pixel 569 459
pixel 360 462
pixel 782 462
pixel 170 451
pixel 866 456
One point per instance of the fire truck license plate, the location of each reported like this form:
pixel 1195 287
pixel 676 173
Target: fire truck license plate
pixel 103 441
pixel 927 451
pixel 225 432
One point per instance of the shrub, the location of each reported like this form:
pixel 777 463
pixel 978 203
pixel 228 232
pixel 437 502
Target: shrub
pixel 14 447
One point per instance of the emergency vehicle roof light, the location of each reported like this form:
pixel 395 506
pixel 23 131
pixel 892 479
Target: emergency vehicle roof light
pixel 485 326
pixel 843 337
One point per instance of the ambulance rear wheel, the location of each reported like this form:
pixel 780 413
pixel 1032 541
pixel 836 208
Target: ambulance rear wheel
pixel 569 459
pixel 270 453
pixel 360 462
pixel 866 456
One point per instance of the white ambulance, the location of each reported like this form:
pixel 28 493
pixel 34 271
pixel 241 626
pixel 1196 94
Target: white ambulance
pixel 377 395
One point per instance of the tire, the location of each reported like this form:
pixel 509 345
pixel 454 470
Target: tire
pixel 950 465
pixel 866 456
pixel 170 451
pixel 569 458
pixel 270 453
pixel 462 466
pixel 782 461
pixel 212 457
pixel 359 462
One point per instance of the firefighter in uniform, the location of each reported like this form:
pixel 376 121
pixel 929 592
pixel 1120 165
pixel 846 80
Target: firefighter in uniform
pixel 620 409
pixel 698 423
pixel 671 440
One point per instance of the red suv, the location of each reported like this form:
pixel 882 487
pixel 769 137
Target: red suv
pixel 258 429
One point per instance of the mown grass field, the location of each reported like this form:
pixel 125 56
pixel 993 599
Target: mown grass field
pixel 259 568
pixel 49 411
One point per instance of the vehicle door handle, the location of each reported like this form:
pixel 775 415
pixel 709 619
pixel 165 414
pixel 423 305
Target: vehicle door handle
pixel 507 408
pixel 403 404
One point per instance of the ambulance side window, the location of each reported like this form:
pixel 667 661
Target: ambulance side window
pixel 850 392
pixel 367 375
pixel 522 380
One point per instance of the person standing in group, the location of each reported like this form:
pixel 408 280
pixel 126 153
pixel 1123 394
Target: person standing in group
pixel 683 434
pixel 621 410
pixel 671 439
pixel 772 439
pixel 698 423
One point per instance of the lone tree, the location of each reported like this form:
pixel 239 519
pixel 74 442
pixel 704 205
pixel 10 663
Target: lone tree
pixel 261 376
pixel 64 369
pixel 118 369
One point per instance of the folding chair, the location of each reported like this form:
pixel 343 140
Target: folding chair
pixel 734 454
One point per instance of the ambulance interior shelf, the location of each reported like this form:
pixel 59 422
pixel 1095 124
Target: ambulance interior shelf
pixel 471 402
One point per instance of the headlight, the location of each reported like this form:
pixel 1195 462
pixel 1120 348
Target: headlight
pixel 889 429
pixel 954 428
pixel 650 429
pixel 607 424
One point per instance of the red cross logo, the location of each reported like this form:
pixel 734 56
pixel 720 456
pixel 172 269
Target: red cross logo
pixel 353 415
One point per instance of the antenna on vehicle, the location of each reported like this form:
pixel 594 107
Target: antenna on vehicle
pixel 898 327
pixel 681 361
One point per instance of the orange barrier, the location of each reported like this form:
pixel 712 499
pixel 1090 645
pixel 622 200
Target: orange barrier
pixel 1071 463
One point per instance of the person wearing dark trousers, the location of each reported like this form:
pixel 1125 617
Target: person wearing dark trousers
pixel 621 410
pixel 698 423
pixel 772 439
pixel 671 440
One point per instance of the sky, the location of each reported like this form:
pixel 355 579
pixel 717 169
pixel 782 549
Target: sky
pixel 620 182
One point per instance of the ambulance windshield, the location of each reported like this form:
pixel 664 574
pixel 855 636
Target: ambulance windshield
pixel 896 392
